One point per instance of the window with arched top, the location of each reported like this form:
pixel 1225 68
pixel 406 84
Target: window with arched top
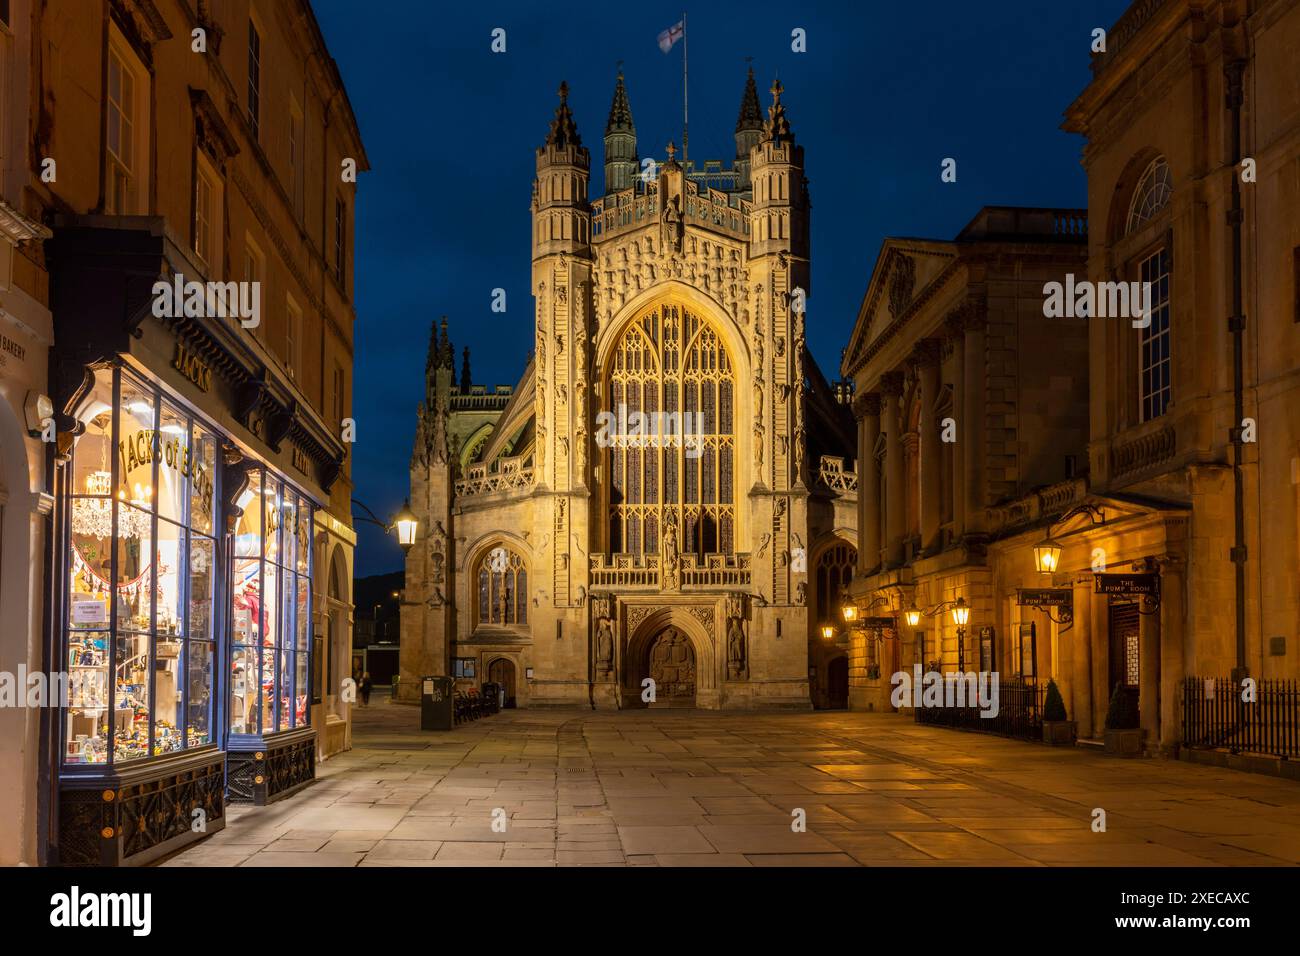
pixel 502 580
pixel 671 444
pixel 834 572
pixel 1155 189
pixel 1149 203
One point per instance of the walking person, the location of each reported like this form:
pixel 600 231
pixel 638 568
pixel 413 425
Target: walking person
pixel 365 687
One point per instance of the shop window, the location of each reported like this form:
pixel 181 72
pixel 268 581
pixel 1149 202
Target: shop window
pixel 140 564
pixel 271 611
pixel 502 588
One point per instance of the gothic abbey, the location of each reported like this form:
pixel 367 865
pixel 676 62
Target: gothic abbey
pixel 569 563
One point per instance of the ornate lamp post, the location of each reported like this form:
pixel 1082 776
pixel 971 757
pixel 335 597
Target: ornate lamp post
pixel 404 523
pixel 1047 553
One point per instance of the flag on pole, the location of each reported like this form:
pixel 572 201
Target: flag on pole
pixel 672 35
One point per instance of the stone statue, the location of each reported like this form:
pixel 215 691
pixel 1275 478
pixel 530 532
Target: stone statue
pixel 735 648
pixel 605 645
pixel 671 224
pixel 669 558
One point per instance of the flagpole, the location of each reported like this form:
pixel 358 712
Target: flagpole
pixel 686 123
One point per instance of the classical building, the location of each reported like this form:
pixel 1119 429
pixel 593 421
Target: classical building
pixel 647 502
pixel 1193 162
pixel 201 540
pixel 967 399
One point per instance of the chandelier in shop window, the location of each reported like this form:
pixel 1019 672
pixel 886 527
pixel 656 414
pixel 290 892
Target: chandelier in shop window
pixel 92 517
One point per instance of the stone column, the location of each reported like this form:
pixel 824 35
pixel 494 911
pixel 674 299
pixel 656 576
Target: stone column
pixel 891 390
pixel 955 335
pixel 867 407
pixel 972 427
pixel 1100 660
pixel 1081 652
pixel 1173 624
pixel 927 363
pixel 1149 702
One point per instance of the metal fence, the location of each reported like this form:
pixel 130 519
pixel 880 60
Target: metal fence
pixel 1216 717
pixel 1019 712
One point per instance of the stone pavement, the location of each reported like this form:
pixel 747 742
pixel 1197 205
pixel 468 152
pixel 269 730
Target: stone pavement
pixel 697 788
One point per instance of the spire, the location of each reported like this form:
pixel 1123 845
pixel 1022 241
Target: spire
pixel 620 112
pixel 446 355
pixel 564 132
pixel 751 114
pixel 778 127
pixel 431 360
pixel 464 372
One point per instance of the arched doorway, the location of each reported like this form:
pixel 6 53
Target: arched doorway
pixel 502 672
pixel 671 664
pixel 837 683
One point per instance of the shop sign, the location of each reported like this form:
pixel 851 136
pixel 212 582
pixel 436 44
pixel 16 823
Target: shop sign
pixel 192 367
pixel 878 622
pixel 1138 584
pixel 300 460
pixel 1044 597
pixel 144 447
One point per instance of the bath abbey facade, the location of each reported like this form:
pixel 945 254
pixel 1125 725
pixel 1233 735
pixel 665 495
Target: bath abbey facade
pixel 664 494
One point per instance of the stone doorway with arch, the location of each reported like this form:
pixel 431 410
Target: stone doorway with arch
pixel 671 647
pixel 502 671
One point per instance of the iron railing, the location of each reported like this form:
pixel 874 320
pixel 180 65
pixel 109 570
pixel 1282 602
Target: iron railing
pixel 1216 717
pixel 1019 711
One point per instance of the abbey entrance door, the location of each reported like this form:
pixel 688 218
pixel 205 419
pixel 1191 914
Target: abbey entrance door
pixel 502 672
pixel 672 667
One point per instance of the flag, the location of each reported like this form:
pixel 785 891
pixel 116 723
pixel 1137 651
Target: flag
pixel 672 35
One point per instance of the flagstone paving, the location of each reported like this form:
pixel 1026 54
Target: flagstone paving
pixel 695 788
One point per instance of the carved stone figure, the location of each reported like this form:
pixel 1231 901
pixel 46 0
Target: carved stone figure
pixel 735 649
pixel 669 558
pixel 605 645
pixel 671 226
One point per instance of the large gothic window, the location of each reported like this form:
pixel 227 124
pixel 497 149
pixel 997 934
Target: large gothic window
pixel 502 588
pixel 671 375
pixel 834 572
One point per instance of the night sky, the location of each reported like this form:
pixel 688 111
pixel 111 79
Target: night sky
pixel 882 95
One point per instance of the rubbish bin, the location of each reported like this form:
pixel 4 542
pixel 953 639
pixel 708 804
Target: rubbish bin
pixel 493 694
pixel 436 703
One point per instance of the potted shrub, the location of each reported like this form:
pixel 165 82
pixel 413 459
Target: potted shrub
pixel 1058 730
pixel 1123 725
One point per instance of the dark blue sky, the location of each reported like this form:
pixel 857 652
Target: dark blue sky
pixel 882 95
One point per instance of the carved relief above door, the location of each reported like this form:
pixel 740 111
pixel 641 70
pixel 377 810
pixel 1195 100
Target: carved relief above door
pixel 672 667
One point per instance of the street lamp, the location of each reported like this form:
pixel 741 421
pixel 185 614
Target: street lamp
pixel 405 523
pixel 850 612
pixel 912 615
pixel 960 611
pixel 828 631
pixel 1047 553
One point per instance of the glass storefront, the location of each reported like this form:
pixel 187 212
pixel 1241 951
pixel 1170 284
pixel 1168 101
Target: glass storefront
pixel 146 578
pixel 271 616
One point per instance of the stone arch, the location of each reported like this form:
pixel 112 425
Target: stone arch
pixel 490 539
pixel 1122 191
pixel 494 660
pixel 675 290
pixel 635 657
pixel 468 447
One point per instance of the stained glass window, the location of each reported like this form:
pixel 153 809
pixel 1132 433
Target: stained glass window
pixel 674 463
pixel 502 588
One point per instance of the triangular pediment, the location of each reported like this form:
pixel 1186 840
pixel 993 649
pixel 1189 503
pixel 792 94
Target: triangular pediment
pixel 904 273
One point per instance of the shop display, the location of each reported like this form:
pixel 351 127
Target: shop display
pixel 143 571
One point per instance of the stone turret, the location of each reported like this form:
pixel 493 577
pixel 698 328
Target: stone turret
pixel 620 142
pixel 749 130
